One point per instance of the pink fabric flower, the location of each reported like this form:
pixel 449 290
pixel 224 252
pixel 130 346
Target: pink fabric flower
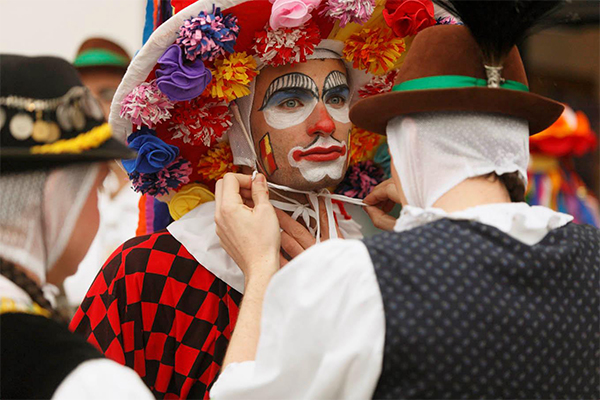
pixel 291 13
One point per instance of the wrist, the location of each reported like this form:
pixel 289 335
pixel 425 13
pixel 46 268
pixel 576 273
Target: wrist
pixel 260 273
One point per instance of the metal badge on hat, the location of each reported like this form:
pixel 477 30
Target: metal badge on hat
pixel 71 111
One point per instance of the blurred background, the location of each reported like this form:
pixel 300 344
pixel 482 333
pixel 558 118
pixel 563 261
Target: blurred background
pixel 58 27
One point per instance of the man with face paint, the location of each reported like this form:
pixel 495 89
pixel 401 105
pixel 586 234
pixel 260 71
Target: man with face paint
pixel 300 123
pixel 166 303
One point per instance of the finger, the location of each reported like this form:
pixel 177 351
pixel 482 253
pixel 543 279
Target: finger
pixel 246 193
pixel 379 193
pixel 290 245
pixel 392 193
pixel 380 219
pixel 218 196
pixel 282 261
pixel 260 191
pixel 295 229
pixel 244 181
pixel 387 206
pixel 248 203
pixel 324 218
pixel 232 184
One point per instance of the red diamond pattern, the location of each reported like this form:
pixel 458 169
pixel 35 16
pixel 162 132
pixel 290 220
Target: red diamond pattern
pixel 153 308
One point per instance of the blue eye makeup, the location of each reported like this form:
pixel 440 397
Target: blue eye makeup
pixel 281 97
pixel 342 92
pixel 296 81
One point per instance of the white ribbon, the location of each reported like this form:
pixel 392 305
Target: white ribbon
pixel 307 212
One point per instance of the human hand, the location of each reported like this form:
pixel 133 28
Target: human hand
pixel 250 235
pixel 380 202
pixel 295 237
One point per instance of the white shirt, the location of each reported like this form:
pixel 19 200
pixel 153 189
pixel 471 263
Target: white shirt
pixel 323 323
pixel 94 379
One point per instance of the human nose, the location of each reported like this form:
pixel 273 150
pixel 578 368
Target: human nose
pixel 320 122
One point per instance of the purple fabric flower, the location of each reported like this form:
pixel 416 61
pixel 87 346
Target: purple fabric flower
pixel 153 154
pixel 360 179
pixel 178 79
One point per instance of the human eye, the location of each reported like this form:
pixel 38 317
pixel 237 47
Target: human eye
pixel 290 104
pixel 337 100
pixel 337 97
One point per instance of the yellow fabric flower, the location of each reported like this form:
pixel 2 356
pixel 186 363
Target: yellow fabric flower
pixel 216 162
pixel 232 77
pixel 363 145
pixel 188 198
pixel 374 49
pixel 84 141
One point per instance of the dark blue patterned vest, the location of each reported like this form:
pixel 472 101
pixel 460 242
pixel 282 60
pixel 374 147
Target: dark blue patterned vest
pixel 473 313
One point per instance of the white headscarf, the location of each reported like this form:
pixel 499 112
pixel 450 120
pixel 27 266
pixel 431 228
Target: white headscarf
pixel 38 212
pixel 433 152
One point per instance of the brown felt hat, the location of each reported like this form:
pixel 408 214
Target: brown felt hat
pixel 441 72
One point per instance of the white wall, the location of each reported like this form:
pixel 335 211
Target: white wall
pixel 58 27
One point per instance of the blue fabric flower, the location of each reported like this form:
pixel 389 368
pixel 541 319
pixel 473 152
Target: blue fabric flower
pixel 153 154
pixel 144 130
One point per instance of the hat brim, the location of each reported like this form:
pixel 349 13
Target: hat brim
pixel 374 113
pixel 21 160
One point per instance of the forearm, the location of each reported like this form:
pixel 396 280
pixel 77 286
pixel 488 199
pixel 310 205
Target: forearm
pixel 244 340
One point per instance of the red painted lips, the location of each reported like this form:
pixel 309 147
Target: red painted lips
pixel 320 154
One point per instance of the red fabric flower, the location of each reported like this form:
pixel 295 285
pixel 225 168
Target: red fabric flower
pixel 408 17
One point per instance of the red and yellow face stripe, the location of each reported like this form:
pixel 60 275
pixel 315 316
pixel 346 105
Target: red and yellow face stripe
pixel 266 154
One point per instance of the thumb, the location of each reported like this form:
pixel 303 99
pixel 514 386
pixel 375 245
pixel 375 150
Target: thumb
pixel 260 191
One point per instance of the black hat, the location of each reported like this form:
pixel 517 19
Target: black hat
pixel 48 118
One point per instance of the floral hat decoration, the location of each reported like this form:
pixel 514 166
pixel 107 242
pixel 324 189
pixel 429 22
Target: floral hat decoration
pixel 553 179
pixel 177 105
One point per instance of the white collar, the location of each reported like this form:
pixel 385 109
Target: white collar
pixel 196 231
pixel 528 224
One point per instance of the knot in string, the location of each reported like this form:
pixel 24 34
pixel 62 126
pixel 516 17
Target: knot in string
pixel 311 210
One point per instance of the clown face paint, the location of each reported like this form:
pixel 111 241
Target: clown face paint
pixel 325 157
pixel 335 96
pixel 266 155
pixel 289 100
pixel 302 112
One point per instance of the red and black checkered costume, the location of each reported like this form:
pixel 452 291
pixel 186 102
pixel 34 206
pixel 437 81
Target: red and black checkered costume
pixel 154 308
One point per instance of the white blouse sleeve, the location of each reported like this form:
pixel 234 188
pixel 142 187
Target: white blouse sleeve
pixel 322 331
pixel 102 379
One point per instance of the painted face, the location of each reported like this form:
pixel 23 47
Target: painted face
pixel 300 123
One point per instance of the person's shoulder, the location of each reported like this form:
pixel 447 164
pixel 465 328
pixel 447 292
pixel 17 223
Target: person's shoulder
pixel 160 240
pixel 584 229
pixel 160 260
pixel 156 252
